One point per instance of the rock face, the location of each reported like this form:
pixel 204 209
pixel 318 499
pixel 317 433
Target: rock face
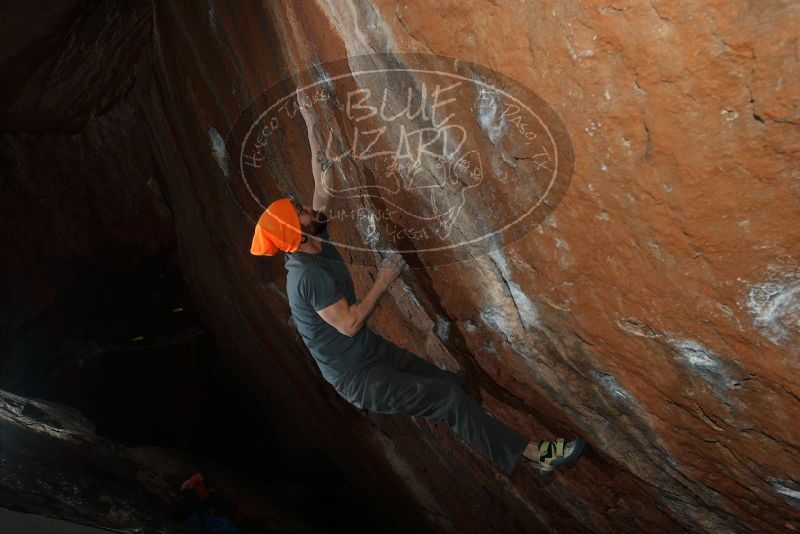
pixel 655 312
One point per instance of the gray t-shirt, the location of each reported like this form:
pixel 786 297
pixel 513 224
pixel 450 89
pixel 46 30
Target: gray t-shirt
pixel 314 282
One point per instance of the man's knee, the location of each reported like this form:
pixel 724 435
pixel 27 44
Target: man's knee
pixel 431 398
pixel 452 395
pixel 449 403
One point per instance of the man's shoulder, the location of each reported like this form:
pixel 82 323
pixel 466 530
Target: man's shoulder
pixel 298 269
pixel 308 274
pixel 300 284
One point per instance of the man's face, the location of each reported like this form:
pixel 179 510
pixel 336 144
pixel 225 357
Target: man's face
pixel 312 222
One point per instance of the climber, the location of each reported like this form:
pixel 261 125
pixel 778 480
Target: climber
pixel 365 369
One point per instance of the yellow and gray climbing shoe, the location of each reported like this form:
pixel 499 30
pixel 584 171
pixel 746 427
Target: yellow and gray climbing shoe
pixel 557 453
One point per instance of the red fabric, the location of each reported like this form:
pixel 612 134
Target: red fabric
pixel 197 483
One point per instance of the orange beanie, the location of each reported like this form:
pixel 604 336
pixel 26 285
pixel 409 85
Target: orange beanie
pixel 278 228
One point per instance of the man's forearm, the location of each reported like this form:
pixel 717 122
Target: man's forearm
pixel 361 310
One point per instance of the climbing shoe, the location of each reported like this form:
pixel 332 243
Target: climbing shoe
pixel 556 453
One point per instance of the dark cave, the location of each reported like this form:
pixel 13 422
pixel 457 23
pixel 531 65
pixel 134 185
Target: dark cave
pixel 631 278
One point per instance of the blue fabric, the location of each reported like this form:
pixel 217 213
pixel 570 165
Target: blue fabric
pixel 210 523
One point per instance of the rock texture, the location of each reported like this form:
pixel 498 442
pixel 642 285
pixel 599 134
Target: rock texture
pixel 655 312
pixel 53 464
pixel 81 208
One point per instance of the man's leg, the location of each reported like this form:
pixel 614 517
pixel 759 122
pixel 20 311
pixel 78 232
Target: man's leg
pixel 407 362
pixel 381 388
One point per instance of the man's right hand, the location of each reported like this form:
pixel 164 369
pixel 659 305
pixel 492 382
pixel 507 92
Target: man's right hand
pixel 389 270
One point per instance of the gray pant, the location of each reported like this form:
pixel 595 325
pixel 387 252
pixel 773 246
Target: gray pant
pixel 398 382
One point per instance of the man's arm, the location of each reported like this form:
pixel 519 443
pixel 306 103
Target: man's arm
pixel 320 165
pixel 349 319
